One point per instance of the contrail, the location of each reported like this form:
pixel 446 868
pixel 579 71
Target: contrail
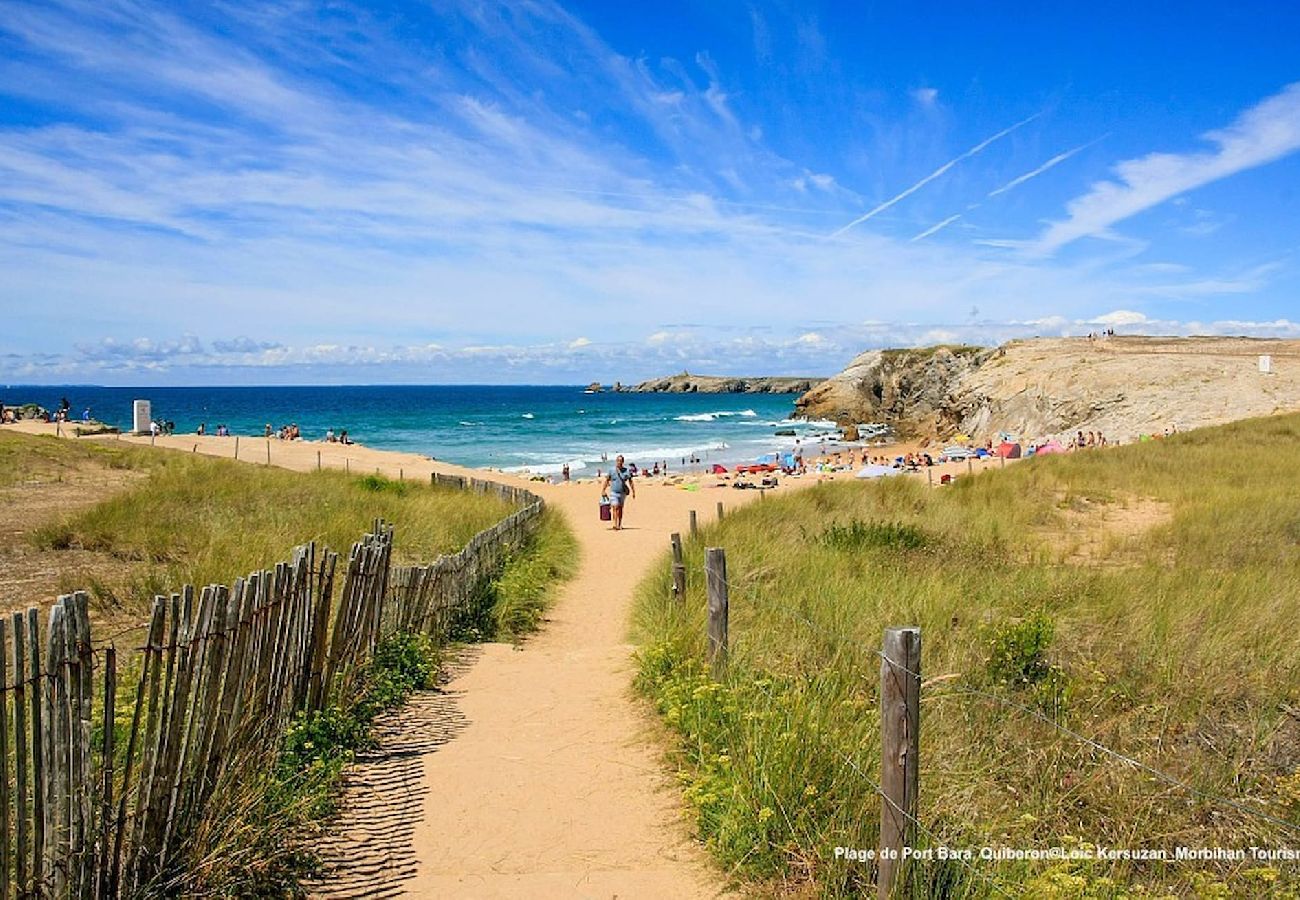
pixel 1054 161
pixel 933 175
pixel 933 228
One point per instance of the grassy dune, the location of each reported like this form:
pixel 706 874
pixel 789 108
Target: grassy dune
pixel 1145 596
pixel 194 519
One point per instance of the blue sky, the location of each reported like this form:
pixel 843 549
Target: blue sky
pixel 545 192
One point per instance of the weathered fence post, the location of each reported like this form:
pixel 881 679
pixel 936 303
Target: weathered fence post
pixel 4 761
pixel 970 466
pixel 900 733
pixel 236 446
pixel 695 526
pixel 715 573
pixel 679 568
pixel 719 510
pixel 929 477
pixel 268 451
pixel 318 465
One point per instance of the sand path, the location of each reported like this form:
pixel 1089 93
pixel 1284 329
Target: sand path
pixel 556 788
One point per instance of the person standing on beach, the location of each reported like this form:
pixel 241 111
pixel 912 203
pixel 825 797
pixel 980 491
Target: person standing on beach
pixel 617 487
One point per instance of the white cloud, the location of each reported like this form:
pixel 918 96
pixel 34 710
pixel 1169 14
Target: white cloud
pixel 1050 164
pixel 933 175
pixel 926 96
pixel 1266 132
pixel 1120 317
pixel 936 227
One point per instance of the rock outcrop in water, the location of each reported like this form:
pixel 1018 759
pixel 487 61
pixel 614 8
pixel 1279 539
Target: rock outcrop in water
pixel 686 383
pixel 1121 386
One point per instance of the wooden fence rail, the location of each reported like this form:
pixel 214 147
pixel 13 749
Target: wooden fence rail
pixel 108 808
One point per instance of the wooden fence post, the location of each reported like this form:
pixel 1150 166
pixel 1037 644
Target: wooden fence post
pixel 929 477
pixel 695 526
pixel 719 510
pixel 679 568
pixel 236 446
pixel 268 451
pixel 715 572
pixel 900 733
pixel 318 465
pixel 4 761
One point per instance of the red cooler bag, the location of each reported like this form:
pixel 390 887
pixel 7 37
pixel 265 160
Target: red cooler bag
pixel 605 514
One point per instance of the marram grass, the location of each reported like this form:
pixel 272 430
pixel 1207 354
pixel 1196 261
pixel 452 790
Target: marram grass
pixel 196 520
pixel 1144 596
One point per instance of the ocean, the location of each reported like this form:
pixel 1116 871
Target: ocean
pixel 516 428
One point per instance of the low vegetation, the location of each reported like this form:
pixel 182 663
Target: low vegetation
pixel 1171 641
pixel 189 519
pixel 511 605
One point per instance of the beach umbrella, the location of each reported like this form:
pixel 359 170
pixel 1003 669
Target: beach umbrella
pixel 877 472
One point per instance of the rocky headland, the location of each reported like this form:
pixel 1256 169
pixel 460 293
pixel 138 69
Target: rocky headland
pixel 686 383
pixel 1121 386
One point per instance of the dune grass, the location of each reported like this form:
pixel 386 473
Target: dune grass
pixel 1145 596
pixel 197 520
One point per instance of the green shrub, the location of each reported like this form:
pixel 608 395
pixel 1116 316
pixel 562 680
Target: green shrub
pixel 857 535
pixel 1018 651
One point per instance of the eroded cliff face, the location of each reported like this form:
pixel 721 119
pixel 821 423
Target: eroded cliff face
pixel 1121 386
pixel 917 391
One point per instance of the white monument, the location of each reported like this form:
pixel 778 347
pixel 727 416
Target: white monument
pixel 1266 365
pixel 143 416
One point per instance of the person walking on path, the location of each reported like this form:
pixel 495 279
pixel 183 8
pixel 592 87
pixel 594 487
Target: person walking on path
pixel 617 487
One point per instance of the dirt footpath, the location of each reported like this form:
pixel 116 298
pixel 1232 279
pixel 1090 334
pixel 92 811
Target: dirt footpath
pixel 556 788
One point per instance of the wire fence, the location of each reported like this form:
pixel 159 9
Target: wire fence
pixel 121 804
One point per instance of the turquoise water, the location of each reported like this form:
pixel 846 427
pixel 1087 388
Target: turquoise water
pixel 518 427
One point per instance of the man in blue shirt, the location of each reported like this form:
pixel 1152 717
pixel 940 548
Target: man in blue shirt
pixel 617 487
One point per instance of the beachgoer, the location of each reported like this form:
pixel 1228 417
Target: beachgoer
pixel 203 427
pixel 329 435
pixel 268 429
pixel 343 437
pixel 565 471
pixel 617 487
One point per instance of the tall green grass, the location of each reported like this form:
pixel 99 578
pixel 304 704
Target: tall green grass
pixel 200 521
pixel 1176 646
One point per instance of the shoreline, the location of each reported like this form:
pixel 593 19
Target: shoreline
pixel 307 455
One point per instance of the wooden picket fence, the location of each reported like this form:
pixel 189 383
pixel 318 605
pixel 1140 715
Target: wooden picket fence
pixel 109 809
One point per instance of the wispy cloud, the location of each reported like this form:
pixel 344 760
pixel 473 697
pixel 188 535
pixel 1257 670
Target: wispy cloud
pixel 925 96
pixel 936 227
pixel 1264 133
pixel 937 173
pixel 715 351
pixel 1050 164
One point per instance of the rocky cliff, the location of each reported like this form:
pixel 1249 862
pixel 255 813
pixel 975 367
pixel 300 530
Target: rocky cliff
pixel 1121 386
pixel 686 383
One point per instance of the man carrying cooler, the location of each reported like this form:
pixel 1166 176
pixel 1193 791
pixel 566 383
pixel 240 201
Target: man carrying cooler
pixel 617 487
